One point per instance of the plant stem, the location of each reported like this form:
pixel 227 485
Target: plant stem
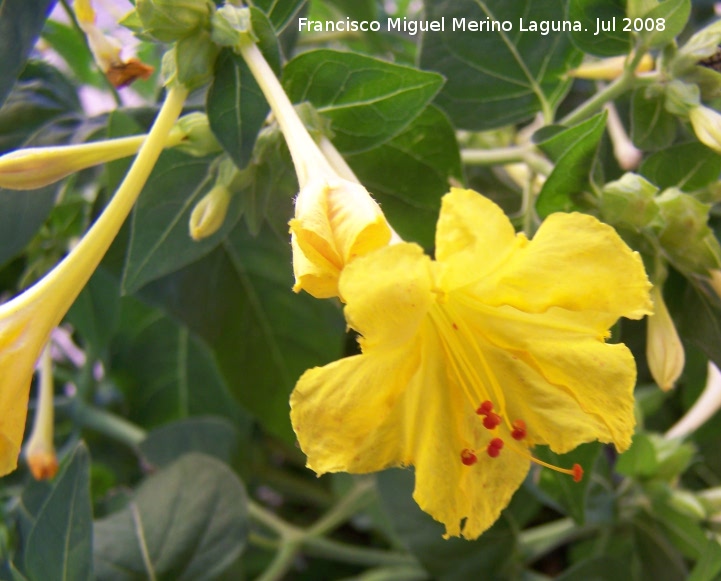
pixel 504 155
pixel 109 424
pixel 295 539
pixel 538 541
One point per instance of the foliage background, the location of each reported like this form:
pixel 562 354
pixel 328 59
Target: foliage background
pixel 177 360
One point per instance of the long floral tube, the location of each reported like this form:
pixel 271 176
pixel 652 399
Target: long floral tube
pixel 35 167
pixel 336 220
pixel 27 320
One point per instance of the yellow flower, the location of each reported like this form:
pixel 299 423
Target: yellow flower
pixel 26 320
pixel 40 449
pixel 469 360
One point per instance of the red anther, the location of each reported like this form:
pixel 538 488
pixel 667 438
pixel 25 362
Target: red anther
pixel 577 472
pixel 519 430
pixel 491 421
pixel 485 409
pixel 494 447
pixel 468 457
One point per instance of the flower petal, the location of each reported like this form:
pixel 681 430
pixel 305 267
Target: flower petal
pixel 400 407
pixel 21 341
pixel 335 221
pixel 473 237
pixel 557 375
pixel 574 262
pixel 388 293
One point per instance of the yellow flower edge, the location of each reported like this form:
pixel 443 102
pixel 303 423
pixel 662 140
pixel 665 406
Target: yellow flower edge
pixel 498 321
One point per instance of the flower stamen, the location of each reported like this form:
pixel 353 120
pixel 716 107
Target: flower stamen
pixel 519 430
pixel 468 457
pixel 494 447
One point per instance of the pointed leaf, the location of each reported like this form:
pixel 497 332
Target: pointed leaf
pixel 188 521
pixel 368 100
pixel 497 77
pixel 236 106
pixel 60 543
pixel 20 24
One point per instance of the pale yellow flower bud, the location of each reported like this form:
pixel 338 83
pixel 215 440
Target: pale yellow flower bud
pixel 609 68
pixel 36 167
pixel 209 213
pixel 706 124
pixel 664 350
pixel 715 281
pixel 40 449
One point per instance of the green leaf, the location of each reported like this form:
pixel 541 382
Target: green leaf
pixel 451 559
pixel 497 78
pixel 60 543
pixel 603 568
pixel 688 166
pixel 160 241
pixel 212 436
pixel 166 373
pixel 699 321
pixel 42 95
pixel 235 103
pixel 280 14
pixel 652 127
pixel 655 556
pixel 570 176
pixel 21 215
pixel 96 312
pixel 674 15
pixel 357 9
pixel 187 521
pixel 610 13
pixel 708 567
pixel 683 530
pixel 20 24
pixel 640 459
pixel 368 101
pixel 409 174
pixel 262 335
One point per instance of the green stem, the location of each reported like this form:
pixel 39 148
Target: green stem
pixel 538 541
pixel 106 423
pixel 294 539
pixel 504 155
pixel 628 80
pixel 349 505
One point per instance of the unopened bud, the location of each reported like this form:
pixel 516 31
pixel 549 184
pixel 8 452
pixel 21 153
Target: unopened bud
pixel 198 139
pixel 664 350
pixel 706 125
pixel 209 213
pixel 171 20
pixel 191 61
pixel 228 23
pixel 609 68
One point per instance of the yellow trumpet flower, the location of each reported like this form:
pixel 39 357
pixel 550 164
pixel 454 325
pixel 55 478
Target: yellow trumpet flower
pixel 471 359
pixel 26 320
pixel 40 448
pixel 609 68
